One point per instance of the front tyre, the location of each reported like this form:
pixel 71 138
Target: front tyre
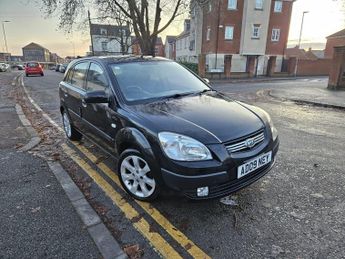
pixel 136 176
pixel 70 131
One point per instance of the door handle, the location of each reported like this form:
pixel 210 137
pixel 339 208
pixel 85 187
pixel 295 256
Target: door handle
pixel 83 103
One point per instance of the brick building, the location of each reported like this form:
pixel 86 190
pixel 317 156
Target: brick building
pixel 35 52
pixel 252 33
pixel 301 54
pixel 334 40
pixel 159 47
pixel 5 56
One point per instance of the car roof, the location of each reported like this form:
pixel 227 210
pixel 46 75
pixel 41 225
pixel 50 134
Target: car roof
pixel 121 59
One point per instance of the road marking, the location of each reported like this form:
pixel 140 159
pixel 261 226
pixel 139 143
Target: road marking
pixel 156 240
pixel 45 115
pixel 184 241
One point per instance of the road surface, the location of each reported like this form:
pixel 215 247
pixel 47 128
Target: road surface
pixel 296 211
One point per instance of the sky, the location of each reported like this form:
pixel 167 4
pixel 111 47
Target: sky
pixel 28 24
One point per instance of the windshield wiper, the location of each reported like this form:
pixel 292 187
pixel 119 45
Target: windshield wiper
pixel 206 90
pixel 177 95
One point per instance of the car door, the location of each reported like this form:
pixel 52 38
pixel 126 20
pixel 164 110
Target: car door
pixel 74 92
pixel 100 118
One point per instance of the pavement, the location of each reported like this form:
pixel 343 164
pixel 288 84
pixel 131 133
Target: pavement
pixel 38 219
pixel 313 94
pixel 307 90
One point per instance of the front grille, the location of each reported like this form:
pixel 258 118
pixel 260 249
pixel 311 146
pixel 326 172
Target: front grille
pixel 231 186
pixel 246 143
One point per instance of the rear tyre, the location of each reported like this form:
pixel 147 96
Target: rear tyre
pixel 26 75
pixel 42 74
pixel 70 131
pixel 137 177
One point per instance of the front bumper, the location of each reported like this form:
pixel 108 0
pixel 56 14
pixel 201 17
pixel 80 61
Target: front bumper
pixel 221 183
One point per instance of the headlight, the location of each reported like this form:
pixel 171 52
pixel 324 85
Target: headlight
pixel 183 148
pixel 273 129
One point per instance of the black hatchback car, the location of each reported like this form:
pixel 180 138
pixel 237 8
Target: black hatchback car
pixel 167 126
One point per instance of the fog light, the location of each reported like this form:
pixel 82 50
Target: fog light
pixel 202 191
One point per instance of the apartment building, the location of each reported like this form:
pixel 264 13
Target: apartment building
pixel 184 46
pixel 110 39
pixel 170 47
pixel 253 33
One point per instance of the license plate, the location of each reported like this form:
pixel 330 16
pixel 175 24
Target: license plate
pixel 254 164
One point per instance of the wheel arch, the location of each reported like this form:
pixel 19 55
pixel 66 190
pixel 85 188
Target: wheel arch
pixel 132 138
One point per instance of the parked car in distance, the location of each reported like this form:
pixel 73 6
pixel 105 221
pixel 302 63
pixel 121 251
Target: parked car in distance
pixel 167 127
pixel 63 67
pixel 3 67
pixel 57 67
pixel 33 68
pixel 18 67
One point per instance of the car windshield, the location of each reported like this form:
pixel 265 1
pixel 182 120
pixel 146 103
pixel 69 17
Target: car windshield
pixel 149 80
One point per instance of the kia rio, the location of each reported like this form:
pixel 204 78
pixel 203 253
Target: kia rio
pixel 166 126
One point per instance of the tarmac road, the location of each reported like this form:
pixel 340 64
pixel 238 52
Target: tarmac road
pixel 296 211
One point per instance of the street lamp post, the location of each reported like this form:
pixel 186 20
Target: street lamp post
pixel 299 41
pixel 4 33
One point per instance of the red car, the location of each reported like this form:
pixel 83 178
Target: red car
pixel 33 68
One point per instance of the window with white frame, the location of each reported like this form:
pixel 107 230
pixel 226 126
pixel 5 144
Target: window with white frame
pixel 278 6
pixel 275 35
pixel 208 33
pixel 103 31
pixel 229 32
pixel 256 31
pixel 259 4
pixel 104 46
pixel 232 4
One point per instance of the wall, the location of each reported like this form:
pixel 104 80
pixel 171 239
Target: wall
pixel 320 67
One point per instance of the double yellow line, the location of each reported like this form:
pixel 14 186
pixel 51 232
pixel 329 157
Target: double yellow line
pixel 155 239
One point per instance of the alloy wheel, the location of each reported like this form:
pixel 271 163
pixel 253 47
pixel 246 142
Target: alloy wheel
pixel 135 174
pixel 67 125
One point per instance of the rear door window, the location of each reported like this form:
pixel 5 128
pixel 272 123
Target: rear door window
pixel 79 74
pixel 96 79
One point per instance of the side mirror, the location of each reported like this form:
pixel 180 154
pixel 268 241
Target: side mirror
pixel 206 80
pixel 96 97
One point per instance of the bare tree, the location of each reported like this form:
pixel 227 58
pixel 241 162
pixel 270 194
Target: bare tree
pixel 145 16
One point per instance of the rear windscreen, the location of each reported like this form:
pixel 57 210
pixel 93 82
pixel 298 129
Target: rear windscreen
pixel 32 64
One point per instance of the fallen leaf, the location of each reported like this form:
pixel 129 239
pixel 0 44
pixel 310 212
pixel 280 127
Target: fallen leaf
pixel 133 251
pixel 34 210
